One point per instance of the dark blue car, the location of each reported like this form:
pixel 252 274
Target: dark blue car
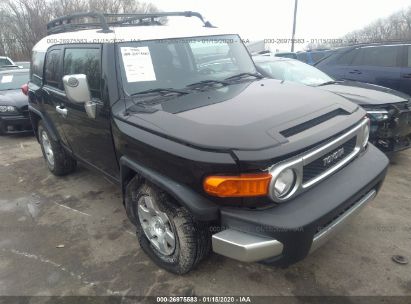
pixel 387 65
pixel 312 57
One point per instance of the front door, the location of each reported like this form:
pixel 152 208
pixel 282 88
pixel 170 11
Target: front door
pixel 89 138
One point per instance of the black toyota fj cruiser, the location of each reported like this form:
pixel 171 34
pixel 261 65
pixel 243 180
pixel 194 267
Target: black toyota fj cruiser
pixel 209 154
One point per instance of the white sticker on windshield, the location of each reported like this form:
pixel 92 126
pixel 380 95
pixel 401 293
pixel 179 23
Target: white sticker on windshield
pixel 7 78
pixel 138 64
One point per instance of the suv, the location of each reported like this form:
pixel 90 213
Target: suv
pixel 388 64
pixel 208 154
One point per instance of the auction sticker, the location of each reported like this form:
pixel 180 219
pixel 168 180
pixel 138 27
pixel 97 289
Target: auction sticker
pixel 138 64
pixel 7 78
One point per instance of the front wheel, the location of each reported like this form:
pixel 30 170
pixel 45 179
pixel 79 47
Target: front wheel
pixel 167 232
pixel 58 160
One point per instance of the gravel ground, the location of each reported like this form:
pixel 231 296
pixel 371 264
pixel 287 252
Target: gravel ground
pixel 99 254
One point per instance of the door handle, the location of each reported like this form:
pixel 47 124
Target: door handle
pixel 358 72
pixel 62 111
pixel 406 76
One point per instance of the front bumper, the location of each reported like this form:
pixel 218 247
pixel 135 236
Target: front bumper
pixel 393 135
pixel 288 232
pixel 13 124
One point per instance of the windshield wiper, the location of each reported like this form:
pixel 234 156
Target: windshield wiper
pixel 327 83
pixel 161 91
pixel 244 75
pixel 204 83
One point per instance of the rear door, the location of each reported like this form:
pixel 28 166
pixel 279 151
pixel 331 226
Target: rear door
pixel 406 71
pixel 379 65
pixel 52 92
pixel 90 138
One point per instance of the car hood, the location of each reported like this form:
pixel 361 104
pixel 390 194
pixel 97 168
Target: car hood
pixel 365 93
pixel 13 98
pixel 246 116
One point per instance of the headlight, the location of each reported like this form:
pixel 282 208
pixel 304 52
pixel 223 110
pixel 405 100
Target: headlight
pixel 365 134
pixel 4 109
pixel 284 183
pixel 378 115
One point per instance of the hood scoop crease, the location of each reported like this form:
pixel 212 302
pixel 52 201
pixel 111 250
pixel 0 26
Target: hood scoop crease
pixel 312 123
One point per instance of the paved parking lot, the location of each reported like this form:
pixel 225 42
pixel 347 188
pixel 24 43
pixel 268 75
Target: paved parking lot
pixel 99 255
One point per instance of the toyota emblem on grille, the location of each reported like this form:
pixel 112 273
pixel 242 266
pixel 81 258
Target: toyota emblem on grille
pixel 332 158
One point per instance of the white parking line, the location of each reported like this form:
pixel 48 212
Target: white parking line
pixel 72 209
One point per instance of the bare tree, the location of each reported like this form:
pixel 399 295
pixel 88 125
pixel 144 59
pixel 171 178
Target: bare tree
pixel 23 22
pixel 395 27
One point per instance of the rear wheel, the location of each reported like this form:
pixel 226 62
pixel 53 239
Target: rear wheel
pixel 167 232
pixel 58 160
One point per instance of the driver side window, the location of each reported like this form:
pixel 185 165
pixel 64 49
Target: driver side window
pixel 85 61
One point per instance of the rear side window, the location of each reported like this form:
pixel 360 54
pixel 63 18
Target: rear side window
pixel 302 57
pixel 348 57
pixel 317 56
pixel 381 56
pixel 37 67
pixel 85 61
pixel 52 69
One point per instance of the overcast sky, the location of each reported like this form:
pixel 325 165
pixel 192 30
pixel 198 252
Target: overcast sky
pixel 266 19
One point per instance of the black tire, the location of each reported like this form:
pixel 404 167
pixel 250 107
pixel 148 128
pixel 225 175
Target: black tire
pixel 63 163
pixel 193 238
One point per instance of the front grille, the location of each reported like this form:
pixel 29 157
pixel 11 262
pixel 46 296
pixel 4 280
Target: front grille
pixel 317 167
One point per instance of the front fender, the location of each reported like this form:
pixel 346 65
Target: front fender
pixel 200 207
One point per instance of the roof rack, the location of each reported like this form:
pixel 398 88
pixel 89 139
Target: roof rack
pixel 378 42
pixel 65 23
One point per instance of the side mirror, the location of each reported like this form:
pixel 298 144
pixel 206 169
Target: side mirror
pixel 78 91
pixel 76 87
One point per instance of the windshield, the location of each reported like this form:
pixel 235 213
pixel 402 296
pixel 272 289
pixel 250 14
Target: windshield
pixel 13 81
pixel 177 63
pixel 296 71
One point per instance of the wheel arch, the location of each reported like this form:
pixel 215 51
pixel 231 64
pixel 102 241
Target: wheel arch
pixel 200 207
pixel 35 117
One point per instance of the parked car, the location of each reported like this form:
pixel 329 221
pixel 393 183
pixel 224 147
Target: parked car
pixel 23 64
pixel 286 55
pixel 5 61
pixel 389 110
pixel 206 158
pixel 14 116
pixel 387 65
pixel 312 57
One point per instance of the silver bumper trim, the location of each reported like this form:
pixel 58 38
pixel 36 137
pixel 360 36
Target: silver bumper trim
pixel 245 247
pixel 324 235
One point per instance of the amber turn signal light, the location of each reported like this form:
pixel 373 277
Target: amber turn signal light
pixel 243 185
